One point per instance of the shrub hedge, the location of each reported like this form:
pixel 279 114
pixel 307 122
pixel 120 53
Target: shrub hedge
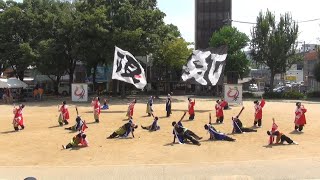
pixel 284 95
pixel 247 95
pixel 314 94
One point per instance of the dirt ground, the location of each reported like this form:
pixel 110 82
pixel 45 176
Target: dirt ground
pixel 40 143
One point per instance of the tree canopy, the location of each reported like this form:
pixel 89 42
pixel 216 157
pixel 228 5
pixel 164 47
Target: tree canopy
pixel 274 43
pixel 236 41
pixel 52 36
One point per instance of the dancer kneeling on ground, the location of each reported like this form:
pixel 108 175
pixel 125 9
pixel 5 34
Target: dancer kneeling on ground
pixel 77 141
pixel 214 134
pixel 79 126
pixel 280 137
pixel 124 131
pixel 239 128
pixel 154 126
pixel 181 131
pixel 105 104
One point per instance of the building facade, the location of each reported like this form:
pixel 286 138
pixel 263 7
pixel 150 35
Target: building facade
pixel 311 58
pixel 210 16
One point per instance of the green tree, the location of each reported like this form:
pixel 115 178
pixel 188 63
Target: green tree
pixel 135 27
pixel 171 53
pixel 236 41
pixel 16 38
pixel 95 46
pixel 51 61
pixel 274 43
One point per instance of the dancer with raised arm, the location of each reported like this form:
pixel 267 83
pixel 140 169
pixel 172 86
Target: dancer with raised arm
pixel 238 126
pixel 191 108
pixel 219 110
pixel 280 137
pixel 180 131
pixel 300 118
pixel 258 112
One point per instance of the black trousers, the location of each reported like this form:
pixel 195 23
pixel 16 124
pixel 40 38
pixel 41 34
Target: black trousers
pixel 188 136
pixel 220 119
pixel 193 134
pixel 113 135
pixel 17 128
pixel 69 146
pixel 191 117
pixel 248 130
pixel 286 138
pixel 300 127
pixel 227 138
pixel 259 122
pixel 169 112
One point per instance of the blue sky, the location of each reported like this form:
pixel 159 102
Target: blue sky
pixel 181 14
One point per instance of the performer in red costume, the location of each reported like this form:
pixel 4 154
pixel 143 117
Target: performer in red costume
pixel 96 109
pixel 274 128
pixel 258 112
pixel 80 140
pixel 64 114
pixel 280 137
pixel 300 118
pixel 131 108
pixel 219 110
pixel 18 118
pixel 191 108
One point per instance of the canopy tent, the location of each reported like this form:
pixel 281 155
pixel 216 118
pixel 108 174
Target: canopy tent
pixel 3 84
pixel 12 83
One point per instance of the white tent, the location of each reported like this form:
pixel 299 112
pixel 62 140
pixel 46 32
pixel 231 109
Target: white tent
pixel 3 84
pixel 12 83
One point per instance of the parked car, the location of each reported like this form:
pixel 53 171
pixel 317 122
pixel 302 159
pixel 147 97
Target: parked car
pixel 279 89
pixel 288 84
pixel 64 88
pixel 253 87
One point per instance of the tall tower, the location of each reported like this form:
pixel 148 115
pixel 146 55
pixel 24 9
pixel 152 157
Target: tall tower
pixel 210 16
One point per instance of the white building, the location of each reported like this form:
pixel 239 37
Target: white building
pixel 294 74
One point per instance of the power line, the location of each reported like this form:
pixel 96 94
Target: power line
pixel 243 22
pixel 246 22
pixel 309 20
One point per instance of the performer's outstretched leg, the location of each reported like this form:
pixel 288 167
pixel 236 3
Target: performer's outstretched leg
pixel 286 138
pixel 248 130
pixel 193 140
pixel 113 135
pixel 193 135
pixel 227 138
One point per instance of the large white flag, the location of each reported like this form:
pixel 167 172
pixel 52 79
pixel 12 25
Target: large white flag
pixel 205 66
pixel 126 68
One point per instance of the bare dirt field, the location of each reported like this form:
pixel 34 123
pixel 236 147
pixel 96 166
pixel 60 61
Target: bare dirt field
pixel 39 145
